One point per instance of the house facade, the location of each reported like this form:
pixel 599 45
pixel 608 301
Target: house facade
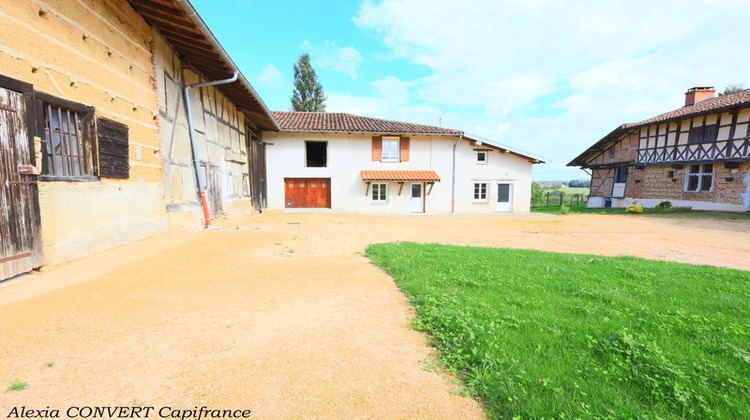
pixel 94 134
pixel 696 156
pixel 352 163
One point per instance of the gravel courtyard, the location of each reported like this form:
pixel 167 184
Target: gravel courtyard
pixel 280 313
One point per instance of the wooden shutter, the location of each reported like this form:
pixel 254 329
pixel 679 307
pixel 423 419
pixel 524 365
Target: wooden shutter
pixel 113 149
pixel 404 149
pixel 377 148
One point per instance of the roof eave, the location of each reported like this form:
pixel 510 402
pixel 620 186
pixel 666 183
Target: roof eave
pixel 413 133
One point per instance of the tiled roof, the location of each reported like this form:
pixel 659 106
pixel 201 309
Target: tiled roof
pixel 715 104
pixel 428 176
pixel 708 106
pixel 348 123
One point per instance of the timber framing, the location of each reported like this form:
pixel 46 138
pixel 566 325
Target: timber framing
pixel 715 130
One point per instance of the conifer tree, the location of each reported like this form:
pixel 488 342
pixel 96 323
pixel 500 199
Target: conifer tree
pixel 308 94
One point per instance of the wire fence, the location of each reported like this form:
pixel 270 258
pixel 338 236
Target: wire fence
pixel 558 198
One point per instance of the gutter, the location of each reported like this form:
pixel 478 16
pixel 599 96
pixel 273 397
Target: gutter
pixel 453 176
pixel 194 143
pixel 192 14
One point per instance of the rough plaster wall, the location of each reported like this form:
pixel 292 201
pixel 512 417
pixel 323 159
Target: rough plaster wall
pixel 220 137
pixel 96 53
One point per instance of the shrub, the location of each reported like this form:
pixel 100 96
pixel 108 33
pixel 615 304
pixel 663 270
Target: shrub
pixel 664 205
pixel 564 209
pixel 634 209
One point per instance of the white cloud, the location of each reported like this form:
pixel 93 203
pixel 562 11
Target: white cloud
pixel 331 56
pixel 270 77
pixel 553 77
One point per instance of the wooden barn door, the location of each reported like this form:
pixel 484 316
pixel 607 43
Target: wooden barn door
pixel 307 193
pixel 20 227
pixel 214 190
pixel 258 187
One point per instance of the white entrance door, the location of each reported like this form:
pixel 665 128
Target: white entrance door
pixel 416 204
pixel 504 197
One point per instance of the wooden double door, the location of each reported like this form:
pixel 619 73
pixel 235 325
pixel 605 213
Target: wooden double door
pixel 307 192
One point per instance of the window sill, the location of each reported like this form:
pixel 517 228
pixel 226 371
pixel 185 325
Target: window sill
pixel 54 178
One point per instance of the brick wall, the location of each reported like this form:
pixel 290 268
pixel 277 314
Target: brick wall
pixel 655 182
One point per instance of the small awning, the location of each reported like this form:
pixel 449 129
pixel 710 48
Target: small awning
pixel 400 176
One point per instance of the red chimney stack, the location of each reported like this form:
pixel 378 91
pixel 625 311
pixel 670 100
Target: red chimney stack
pixel 697 94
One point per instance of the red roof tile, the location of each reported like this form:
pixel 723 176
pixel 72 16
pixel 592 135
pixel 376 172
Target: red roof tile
pixel 708 106
pixel 428 176
pixel 703 107
pixel 348 123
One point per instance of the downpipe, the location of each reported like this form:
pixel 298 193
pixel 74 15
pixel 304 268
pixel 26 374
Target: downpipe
pixel 453 176
pixel 194 143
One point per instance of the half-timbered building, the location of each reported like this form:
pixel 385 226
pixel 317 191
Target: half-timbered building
pixel 99 101
pixel 696 156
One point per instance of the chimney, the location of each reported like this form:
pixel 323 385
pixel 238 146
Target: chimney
pixel 697 94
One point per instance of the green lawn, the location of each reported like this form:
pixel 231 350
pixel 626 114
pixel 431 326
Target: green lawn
pixel 546 335
pixel 675 213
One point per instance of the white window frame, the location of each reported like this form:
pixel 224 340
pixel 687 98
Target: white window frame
pixel 702 175
pixel 388 153
pixel 486 155
pixel 481 192
pixel 382 190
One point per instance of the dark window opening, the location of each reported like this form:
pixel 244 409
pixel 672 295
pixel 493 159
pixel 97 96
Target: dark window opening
pixel 621 174
pixel 67 143
pixel 317 154
pixel 703 134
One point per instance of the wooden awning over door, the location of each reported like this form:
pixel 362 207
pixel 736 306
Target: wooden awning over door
pixel 400 176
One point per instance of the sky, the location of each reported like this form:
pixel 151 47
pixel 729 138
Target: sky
pixel 545 77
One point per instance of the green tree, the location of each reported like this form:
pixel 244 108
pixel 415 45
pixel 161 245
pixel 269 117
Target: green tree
pixel 733 88
pixel 537 194
pixel 308 94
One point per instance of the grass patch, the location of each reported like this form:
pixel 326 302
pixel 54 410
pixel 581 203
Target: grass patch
pixel 542 335
pixel 17 385
pixel 576 209
pixel 674 212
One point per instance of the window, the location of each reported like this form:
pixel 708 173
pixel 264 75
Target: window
pixel 316 154
pixel 67 143
pixel 621 174
pixel 703 134
pixel 612 153
pixel 480 191
pixel 380 193
pixel 482 158
pixel 390 149
pixel 699 177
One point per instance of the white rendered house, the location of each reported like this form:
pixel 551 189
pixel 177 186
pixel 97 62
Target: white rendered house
pixel 353 163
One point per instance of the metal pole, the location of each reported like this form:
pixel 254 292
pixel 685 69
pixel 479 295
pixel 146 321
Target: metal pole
pixel 453 180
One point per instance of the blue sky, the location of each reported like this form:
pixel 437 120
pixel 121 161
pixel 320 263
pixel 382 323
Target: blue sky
pixel 542 76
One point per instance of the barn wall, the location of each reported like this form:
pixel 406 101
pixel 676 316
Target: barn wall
pixel 96 53
pixel 220 133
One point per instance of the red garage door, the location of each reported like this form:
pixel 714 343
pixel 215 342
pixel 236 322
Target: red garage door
pixel 308 192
